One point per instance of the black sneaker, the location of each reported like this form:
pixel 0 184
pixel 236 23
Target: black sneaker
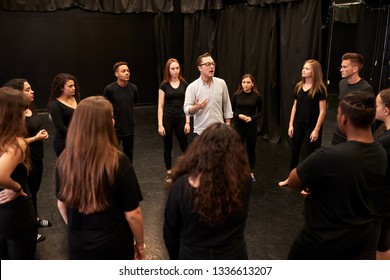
pixel 40 237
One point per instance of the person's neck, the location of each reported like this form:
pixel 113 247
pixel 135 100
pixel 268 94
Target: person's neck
pixel 353 79
pixel 66 98
pixel 360 135
pixel 206 80
pixel 122 83
pixel 174 80
pixel 387 123
pixel 308 81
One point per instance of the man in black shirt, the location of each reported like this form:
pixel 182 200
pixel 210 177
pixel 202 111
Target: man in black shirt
pixel 351 64
pixel 341 181
pixel 123 95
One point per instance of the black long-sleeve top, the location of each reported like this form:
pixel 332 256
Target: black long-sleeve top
pixel 249 104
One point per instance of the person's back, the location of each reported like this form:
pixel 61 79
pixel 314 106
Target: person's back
pixel 207 206
pixel 338 211
pixel 342 181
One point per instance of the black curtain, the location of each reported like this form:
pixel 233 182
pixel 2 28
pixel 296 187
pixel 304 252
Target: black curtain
pixel 37 46
pixel 109 6
pixel 271 42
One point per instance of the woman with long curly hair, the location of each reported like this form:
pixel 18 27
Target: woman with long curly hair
pixel 64 96
pixel 207 207
pixel 97 189
pixel 18 220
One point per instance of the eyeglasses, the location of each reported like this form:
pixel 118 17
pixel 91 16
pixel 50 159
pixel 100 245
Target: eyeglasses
pixel 208 64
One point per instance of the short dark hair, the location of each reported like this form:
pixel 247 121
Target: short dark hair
pixel 199 61
pixel 354 58
pixel 120 63
pixel 359 107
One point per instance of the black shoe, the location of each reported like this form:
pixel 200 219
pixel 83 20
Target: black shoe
pixel 43 223
pixel 40 237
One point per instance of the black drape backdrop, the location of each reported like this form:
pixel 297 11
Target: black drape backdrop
pixel 271 42
pixel 269 38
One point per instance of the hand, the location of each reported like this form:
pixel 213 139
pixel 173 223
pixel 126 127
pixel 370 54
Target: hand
pixel 313 136
pixel 248 119
pixel 42 135
pixel 187 128
pixel 8 195
pixel 161 130
pixel 290 131
pixel 139 252
pixel 200 105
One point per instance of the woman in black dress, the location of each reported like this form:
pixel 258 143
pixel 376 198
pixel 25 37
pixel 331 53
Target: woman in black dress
pixel 65 94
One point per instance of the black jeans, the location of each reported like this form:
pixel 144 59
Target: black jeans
pixel 127 145
pixel 173 125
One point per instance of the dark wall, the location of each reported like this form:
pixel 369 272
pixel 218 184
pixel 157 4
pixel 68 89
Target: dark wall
pixel 39 45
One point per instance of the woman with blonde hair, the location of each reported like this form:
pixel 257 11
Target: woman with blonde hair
pixel 206 211
pixel 170 114
pixel 97 189
pixel 18 220
pixel 307 113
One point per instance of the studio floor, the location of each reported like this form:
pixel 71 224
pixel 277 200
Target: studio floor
pixel 275 214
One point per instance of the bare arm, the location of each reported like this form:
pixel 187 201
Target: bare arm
pixel 136 223
pixel 62 208
pixel 320 121
pixel 10 158
pixel 160 111
pixel 294 181
pixel 292 117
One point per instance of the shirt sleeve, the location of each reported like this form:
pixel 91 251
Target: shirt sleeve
pixel 311 170
pixel 57 117
pixel 129 189
pixel 189 99
pixel 173 221
pixel 227 105
pixel 259 107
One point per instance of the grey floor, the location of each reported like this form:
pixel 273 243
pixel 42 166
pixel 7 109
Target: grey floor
pixel 275 214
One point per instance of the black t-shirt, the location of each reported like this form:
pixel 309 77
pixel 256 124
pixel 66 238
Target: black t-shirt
pixel 345 88
pixel 123 100
pixel 174 99
pixel 383 196
pixel 308 108
pixel 343 179
pixel 249 104
pixel 91 232
pixel 182 226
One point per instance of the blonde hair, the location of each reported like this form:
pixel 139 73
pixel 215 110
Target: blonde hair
pixel 317 82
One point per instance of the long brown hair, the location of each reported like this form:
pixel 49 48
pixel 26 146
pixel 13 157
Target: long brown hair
pixel 317 82
pixel 250 76
pixel 13 104
pixel 219 159
pixel 90 158
pixel 167 74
